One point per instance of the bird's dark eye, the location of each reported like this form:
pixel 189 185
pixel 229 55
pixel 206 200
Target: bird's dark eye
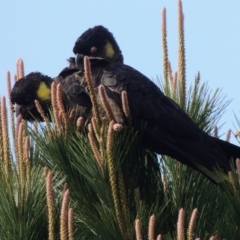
pixel 93 49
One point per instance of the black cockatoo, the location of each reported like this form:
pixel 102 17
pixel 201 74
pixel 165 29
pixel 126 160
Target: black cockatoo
pixel 36 86
pixel 168 130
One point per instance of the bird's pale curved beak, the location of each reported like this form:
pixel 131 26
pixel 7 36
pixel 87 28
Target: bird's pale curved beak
pixel 80 57
pixel 17 109
pixel 79 60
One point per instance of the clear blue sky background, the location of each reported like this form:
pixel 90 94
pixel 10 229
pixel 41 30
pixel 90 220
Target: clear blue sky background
pixel 42 33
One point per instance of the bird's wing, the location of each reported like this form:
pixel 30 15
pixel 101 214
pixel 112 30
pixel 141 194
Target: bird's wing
pixel 72 81
pixel 148 102
pixel 168 130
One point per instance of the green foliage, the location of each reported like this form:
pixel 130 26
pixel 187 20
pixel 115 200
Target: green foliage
pixel 90 190
pixel 23 206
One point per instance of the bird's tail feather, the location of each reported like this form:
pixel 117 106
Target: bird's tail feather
pixel 231 151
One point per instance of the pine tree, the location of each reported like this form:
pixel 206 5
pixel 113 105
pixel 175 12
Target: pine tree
pixel 67 180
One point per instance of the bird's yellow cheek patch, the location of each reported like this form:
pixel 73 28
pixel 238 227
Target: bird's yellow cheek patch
pixel 109 50
pixel 43 91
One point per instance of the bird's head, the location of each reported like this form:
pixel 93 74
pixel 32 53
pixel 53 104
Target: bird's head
pixel 97 42
pixel 34 86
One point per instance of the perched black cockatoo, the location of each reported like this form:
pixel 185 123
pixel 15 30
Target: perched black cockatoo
pixel 168 130
pixel 75 96
pixel 36 86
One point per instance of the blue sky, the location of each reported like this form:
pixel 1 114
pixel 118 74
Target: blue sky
pixel 42 33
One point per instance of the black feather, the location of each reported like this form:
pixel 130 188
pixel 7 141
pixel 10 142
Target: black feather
pixel 168 129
